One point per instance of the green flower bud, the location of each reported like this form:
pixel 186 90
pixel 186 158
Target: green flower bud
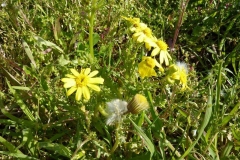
pixel 138 104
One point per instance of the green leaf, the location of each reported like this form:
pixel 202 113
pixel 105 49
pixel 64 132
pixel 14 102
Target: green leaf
pixel 96 38
pixel 9 145
pixel 60 149
pixel 62 61
pixel 20 121
pixel 20 102
pixel 233 112
pixel 147 141
pixel 17 155
pixel 29 53
pixel 27 136
pixel 42 42
pixel 21 88
pixel 11 78
pixel 227 150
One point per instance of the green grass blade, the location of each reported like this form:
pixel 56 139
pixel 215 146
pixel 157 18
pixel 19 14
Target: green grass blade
pixel 218 88
pixel 22 105
pixel 227 150
pixel 58 148
pixel 147 141
pixel 21 88
pixel 9 145
pixel 9 76
pixel 203 125
pixel 17 155
pixel 227 118
pixel 27 136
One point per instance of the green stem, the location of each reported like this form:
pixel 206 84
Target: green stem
pixel 116 140
pixel 91 25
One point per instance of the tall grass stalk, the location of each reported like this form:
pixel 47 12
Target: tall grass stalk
pixel 91 26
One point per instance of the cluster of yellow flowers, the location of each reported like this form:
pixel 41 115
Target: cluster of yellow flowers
pixel 176 73
pixel 143 34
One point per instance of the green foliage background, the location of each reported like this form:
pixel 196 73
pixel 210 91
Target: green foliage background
pixel 41 40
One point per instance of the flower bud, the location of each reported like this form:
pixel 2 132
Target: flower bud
pixel 138 104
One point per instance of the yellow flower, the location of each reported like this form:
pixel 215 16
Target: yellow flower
pixel 132 20
pixel 178 73
pixel 161 49
pixel 137 104
pixel 141 32
pixel 80 82
pixel 146 67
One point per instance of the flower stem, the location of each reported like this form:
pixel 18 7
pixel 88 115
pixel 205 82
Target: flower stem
pixel 116 140
pixel 91 25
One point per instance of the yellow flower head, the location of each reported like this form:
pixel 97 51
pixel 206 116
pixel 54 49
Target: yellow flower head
pixel 146 67
pixel 141 33
pixel 132 20
pixel 80 82
pixel 138 104
pixel 178 73
pixel 161 49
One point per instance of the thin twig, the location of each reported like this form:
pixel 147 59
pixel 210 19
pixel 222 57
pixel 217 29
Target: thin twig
pixel 183 9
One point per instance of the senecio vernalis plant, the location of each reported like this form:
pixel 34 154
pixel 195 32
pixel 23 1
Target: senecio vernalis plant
pixel 116 109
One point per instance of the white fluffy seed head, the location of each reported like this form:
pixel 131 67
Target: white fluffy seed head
pixel 115 109
pixel 182 65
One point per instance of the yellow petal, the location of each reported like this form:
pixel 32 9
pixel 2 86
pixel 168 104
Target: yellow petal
pixel 141 38
pixel 66 79
pixel 86 93
pixel 92 74
pixel 94 87
pixel 155 51
pixel 157 64
pixel 71 90
pixel 161 57
pixel 175 76
pixel 78 94
pixel 168 55
pixel 75 72
pixel 70 76
pixel 97 80
pixel 87 71
pixel 70 83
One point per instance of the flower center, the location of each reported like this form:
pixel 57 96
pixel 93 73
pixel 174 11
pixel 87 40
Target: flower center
pixel 82 80
pixel 162 45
